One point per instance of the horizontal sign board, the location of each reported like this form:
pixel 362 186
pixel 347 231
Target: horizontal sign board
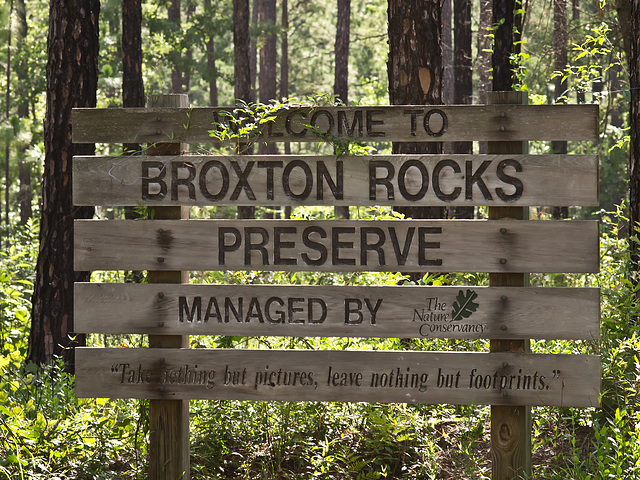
pixel 405 123
pixel 346 376
pixel 343 245
pixel 342 311
pixel 455 180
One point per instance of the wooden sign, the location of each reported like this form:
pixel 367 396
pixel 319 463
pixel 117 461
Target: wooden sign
pixel 406 123
pixel 454 180
pixel 341 311
pixel 347 246
pixel 343 376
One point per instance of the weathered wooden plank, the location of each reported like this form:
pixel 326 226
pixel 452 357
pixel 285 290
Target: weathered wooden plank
pixel 348 376
pixel 300 245
pixel 454 180
pixel 340 311
pixel 407 123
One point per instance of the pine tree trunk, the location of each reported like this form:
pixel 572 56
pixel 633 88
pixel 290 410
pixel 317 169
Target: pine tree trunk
pixel 284 75
pixel 503 46
pixel 448 75
pixel 132 85
pixel 341 74
pixel 173 15
pixel 72 76
pixel 25 197
pixel 242 71
pixel 630 17
pixel 132 81
pixel 7 151
pixel 268 63
pixel 463 77
pixel 483 58
pixel 415 71
pixel 212 73
pixel 188 54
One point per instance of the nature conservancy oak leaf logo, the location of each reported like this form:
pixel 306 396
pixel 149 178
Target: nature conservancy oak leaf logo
pixel 464 306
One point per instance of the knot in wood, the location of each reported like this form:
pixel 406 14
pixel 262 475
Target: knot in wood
pixel 505 432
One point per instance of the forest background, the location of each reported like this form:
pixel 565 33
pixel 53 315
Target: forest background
pixel 187 47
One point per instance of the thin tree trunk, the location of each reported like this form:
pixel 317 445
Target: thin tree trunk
pixel 253 50
pixel 132 81
pixel 463 78
pixel 132 84
pixel 284 75
pixel 341 74
pixel 268 62
pixel 629 17
pixel 173 14
pixel 72 77
pixel 448 76
pixel 503 45
pixel 561 83
pixel 242 72
pixel 343 26
pixel 212 73
pixel 7 151
pixel 25 196
pixel 483 57
pixel 188 55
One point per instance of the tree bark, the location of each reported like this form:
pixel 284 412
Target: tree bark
pixel 463 77
pixel 132 81
pixel 187 61
pixel 212 73
pixel 25 196
pixel 483 57
pixel 72 76
pixel 561 84
pixel 343 26
pixel 7 151
pixel 173 14
pixel 503 45
pixel 415 71
pixel 284 75
pixel 268 63
pixel 448 67
pixel 341 73
pixel 242 72
pixel 631 18
pixel 253 50
pixel 132 84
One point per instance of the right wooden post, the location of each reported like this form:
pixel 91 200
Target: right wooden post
pixel 510 425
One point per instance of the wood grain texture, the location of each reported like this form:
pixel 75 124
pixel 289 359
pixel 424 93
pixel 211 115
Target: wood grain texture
pixel 169 418
pixel 343 311
pixel 510 425
pixel 406 123
pixel 300 245
pixel 308 375
pixel 451 180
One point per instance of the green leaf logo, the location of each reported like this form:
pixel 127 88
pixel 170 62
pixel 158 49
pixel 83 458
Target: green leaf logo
pixel 464 306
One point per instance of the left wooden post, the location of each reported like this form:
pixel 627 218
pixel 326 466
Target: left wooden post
pixel 168 419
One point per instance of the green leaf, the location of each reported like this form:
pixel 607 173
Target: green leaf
pixel 464 306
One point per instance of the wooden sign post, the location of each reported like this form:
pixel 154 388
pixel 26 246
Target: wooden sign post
pixel 168 419
pixel 510 425
pixel 507 245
